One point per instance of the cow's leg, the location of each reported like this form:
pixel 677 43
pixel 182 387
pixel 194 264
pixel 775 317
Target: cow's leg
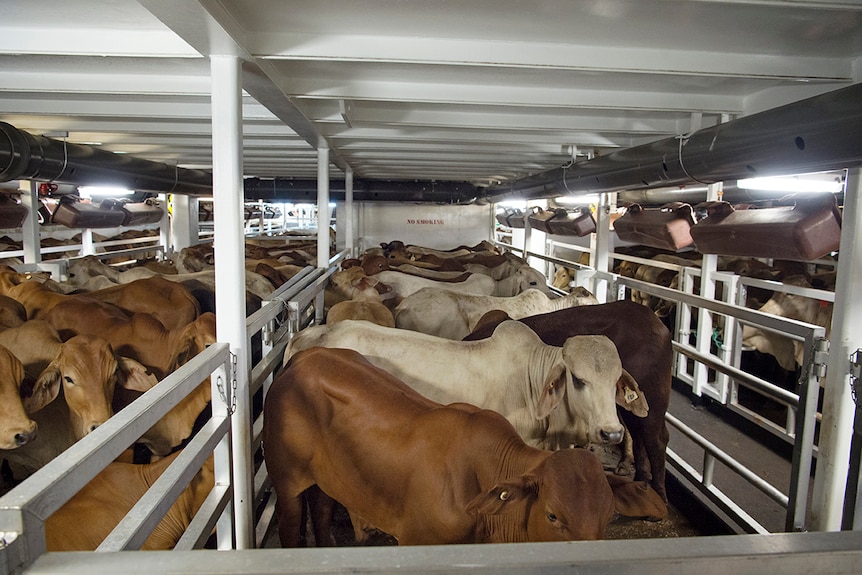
pixel 656 451
pixel 321 507
pixel 289 510
pixel 626 465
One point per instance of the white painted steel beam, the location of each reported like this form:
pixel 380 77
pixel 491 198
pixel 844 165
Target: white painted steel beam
pixel 836 428
pixel 230 275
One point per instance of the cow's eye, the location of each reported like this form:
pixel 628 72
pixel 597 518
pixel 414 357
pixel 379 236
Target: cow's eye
pixel 577 382
pixel 68 379
pixel 552 517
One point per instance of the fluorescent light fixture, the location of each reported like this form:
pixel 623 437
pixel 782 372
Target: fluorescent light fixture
pixel 584 200
pixel 91 191
pixel 513 204
pixel 811 183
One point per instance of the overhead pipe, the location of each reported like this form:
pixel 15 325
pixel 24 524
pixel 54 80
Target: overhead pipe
pixel 812 135
pixel 364 190
pixel 24 156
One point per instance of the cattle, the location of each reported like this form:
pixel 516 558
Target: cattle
pixel 512 372
pixel 71 389
pixel 454 315
pixel 354 283
pixel 16 427
pixel 84 521
pixel 422 472
pixel 372 311
pixel 646 352
pixel 139 336
pixel 12 313
pixel 787 352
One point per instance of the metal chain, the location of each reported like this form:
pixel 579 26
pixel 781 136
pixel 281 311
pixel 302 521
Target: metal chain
pixel 220 385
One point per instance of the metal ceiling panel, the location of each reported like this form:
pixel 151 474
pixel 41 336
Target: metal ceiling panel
pixel 486 92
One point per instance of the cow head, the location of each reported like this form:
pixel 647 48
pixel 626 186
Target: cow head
pixel 88 370
pixel 564 498
pixel 16 428
pixel 594 365
pixel 194 338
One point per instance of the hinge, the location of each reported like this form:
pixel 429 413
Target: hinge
pixel 821 354
pixel 855 373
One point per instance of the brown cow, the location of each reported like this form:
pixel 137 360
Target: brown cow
pixel 384 451
pixel 140 336
pixel 644 345
pixel 16 427
pixel 74 385
pixel 91 514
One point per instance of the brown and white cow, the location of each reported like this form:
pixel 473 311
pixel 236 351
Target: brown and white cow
pixel 513 372
pixel 420 471
pixel 644 345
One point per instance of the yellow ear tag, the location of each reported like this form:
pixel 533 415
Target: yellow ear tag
pixel 630 395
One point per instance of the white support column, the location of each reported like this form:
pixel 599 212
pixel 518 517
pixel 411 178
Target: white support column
pixel 704 319
pixel 601 244
pixel 230 273
pixel 836 428
pixel 165 226
pixel 322 221
pixel 349 216
pixel 30 228
pixel 184 222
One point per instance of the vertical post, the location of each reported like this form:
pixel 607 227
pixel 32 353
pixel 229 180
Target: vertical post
pixel 322 221
pixel 230 273
pixel 184 222
pixel 349 216
pixel 601 245
pixel 30 228
pixel 836 427
pixel 165 226
pixel 704 319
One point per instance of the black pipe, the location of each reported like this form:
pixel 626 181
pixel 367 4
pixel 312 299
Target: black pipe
pixel 817 134
pixel 24 156
pixel 364 190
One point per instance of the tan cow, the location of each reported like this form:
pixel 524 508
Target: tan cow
pixel 16 427
pixel 73 389
pixel 788 352
pixel 91 514
pixel 454 315
pixel 140 336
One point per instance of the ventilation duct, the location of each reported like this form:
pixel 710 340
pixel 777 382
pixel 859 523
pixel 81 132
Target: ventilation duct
pixel 291 190
pixel 24 156
pixel 812 135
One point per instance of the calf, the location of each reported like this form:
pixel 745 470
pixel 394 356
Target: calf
pixel 333 420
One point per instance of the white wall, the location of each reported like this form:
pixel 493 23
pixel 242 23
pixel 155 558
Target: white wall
pixel 430 225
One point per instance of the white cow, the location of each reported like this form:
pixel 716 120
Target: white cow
pixel 454 315
pixel 513 372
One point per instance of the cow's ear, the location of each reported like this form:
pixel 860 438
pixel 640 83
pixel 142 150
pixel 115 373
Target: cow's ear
pixel 630 397
pixel 636 498
pixel 44 391
pixel 499 499
pixel 134 375
pixel 553 391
